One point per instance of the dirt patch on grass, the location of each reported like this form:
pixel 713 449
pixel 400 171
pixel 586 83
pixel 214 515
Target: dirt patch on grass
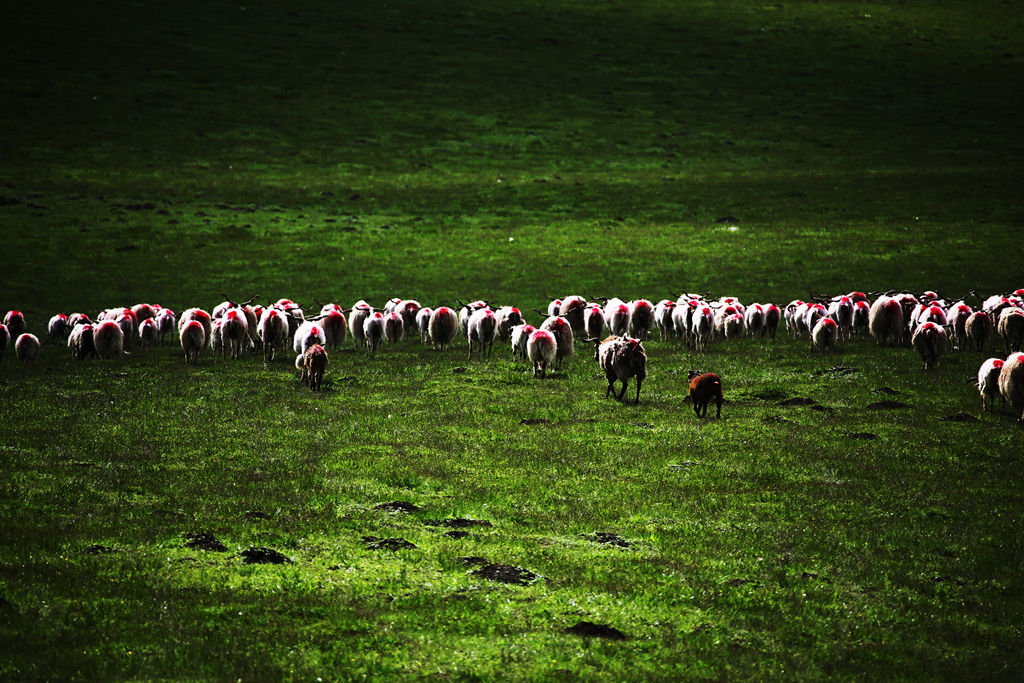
pixel 204 541
pixel 397 506
pixel 607 538
pixel 798 401
pixel 261 555
pixel 888 391
pixel 959 417
pixel 866 436
pixel 456 534
pixel 97 549
pixel 256 514
pixel 473 560
pixel 534 421
pixel 459 523
pixel 887 405
pixel 392 544
pixel 588 629
pixel 506 573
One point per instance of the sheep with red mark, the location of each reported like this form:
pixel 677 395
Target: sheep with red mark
pixel 144 312
pixel 704 388
pixel 554 306
pixel 335 326
pixel 841 310
pixel 812 314
pixel 520 338
pixel 622 359
pixel 468 310
pixel 753 320
pixel 273 332
pixel 641 318
pixel 109 339
pixel 663 311
pixel 310 332
pixel 572 309
pixel 886 320
pixel 394 327
pixel 444 325
pixel 542 350
pixel 957 315
pixel 930 342
pixel 824 335
pixel 732 326
pixel 702 327
pixel 617 315
pixel 507 317
pixel 682 318
pixel 1011 328
pixel 82 342
pixel 234 332
pixel 373 331
pixel 593 321
pixel 792 315
pixel 357 318
pixel 562 330
pixel 149 333
pixel 14 321
pixel 26 347
pixel 1011 382
pixel 978 329
pixel 481 331
pixel 192 335
pixel 861 316
pixel 314 365
pixel 423 323
pixel 722 312
pixel 772 317
pixel 166 322
pixel 200 316
pixel 407 310
pixel 58 329
pixel 988 382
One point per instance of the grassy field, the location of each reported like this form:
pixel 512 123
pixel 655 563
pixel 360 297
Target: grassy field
pixel 453 150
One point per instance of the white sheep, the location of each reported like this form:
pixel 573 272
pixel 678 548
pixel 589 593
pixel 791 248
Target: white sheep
pixel 1011 382
pixel 310 332
pixel 373 331
pixel 357 323
pixel 772 317
pixel 978 329
pixel 394 327
pixel 562 330
pixel 886 320
pixel 957 314
pixel 930 341
pixel 792 315
pixel 481 331
pixel 423 323
pixel 702 327
pixel 407 309
pixel 335 326
pixel 81 341
pixel 26 347
pixel 616 315
pixel 542 349
pixel 273 332
pixel 988 382
pixel 824 334
pixel 753 320
pixel 1011 328
pixel 593 321
pixel 58 329
pixel 841 309
pixel 166 323
pixel 520 337
pixel 572 309
pixel 149 333
pixel 444 325
pixel 641 318
pixel 663 311
pixel 193 340
pixel 506 318
pixel 469 309
pixel 109 339
pixel 200 316
pixel 14 321
pixel 732 326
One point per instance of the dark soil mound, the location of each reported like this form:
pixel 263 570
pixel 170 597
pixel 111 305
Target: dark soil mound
pixel 506 573
pixel 960 417
pixel 867 436
pixel 608 539
pixel 392 544
pixel 397 506
pixel 534 421
pixel 589 629
pixel 263 556
pixel 97 549
pixel 204 541
pixel 798 401
pixel 256 514
pixel 456 534
pixel 458 522
pixel 474 560
pixel 887 405
pixel 885 390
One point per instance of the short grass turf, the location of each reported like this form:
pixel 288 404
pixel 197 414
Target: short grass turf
pixel 445 151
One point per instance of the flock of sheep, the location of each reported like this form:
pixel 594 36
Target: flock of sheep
pixel 617 329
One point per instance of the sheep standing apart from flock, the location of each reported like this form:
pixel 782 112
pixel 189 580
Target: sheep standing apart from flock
pixel 314 365
pixel 444 324
pixel 373 331
pixel 542 349
pixel 562 330
pixel 1011 382
pixel 1011 328
pixel 357 323
pixel 930 341
pixel 109 339
pixel 520 338
pixel 82 342
pixel 481 331
pixel 886 320
pixel 26 347
pixel 14 321
pixel 824 335
pixel 622 359
pixel 988 382
pixel 978 328
pixel 705 387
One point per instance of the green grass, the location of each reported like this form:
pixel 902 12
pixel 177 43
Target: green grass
pixel 452 150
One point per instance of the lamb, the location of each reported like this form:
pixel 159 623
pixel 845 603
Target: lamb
pixel 978 328
pixel 273 332
pixel 193 340
pixel 520 338
pixel 593 321
pixel 109 339
pixel 310 332
pixel 663 311
pixel 81 341
pixel 58 329
pixel 885 320
pixel 314 364
pixel 703 389
pixel 149 334
pixel 14 321
pixel 562 330
pixel 641 318
pixel 1011 382
pixel 394 327
pixel 988 382
pixel 423 323
pixel 443 327
pixel 1011 328
pixel 622 359
pixel 824 335
pixel 26 347
pixel 373 331
pixel 930 341
pixel 542 348
pixel 481 331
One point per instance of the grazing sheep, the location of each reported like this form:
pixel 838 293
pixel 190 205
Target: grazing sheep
pixel 1011 328
pixel 273 332
pixel 193 340
pixel 310 332
pixel 1011 382
pixel 26 347
pixel 234 331
pixel 444 324
pixel 481 331
pixel 886 320
pixel 572 309
pixel 357 323
pixel 423 323
pixel 622 359
pixel 824 335
pixel 394 327
pixel 663 311
pixel 109 339
pixel 593 321
pixel 507 317
pixel 705 387
pixel 930 341
pixel 82 342
pixel 5 339
pixel 988 382
pixel 166 322
pixel 149 334
pixel 314 364
pixel 641 318
pixel 58 329
pixel 203 318
pixel 14 321
pixel 520 338
pixel 562 330
pixel 978 328
pixel 373 331
pixel 542 349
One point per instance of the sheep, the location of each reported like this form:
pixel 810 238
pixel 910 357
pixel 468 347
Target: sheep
pixel 310 332
pixel 616 316
pixel 572 309
pixel 682 316
pixel 621 359
pixel 824 334
pixel 663 311
pixel 732 326
pixel 908 302
pixel 58 329
pixel 469 309
pixel 988 382
pixel 930 341
pixel 394 327
pixel 554 306
pixel 14 321
pixel 641 318
pixel 703 326
pixel 234 326
pixel 1011 328
pixel 812 314
pixel 217 341
pixel 593 321
pixel 78 318
pixel 886 320
pixel 772 316
pixel 26 347
pixel 200 316
pixel 753 320
pixel 482 326
pixel 423 323
pixel 861 316
pixel 166 322
pixel 957 315
pixel 705 387
pixel 82 342
pixel 791 314
pixel 443 327
pixel 978 328
pixel 373 331
pixel 357 323
pixel 109 339
pixel 314 364
pixel 149 333
pixel 273 332
pixel 506 318
pixel 193 340
pixel 520 338
pixel 407 310
pixel 335 327
pixel 1011 382
pixel 542 349
pixel 562 330
pixel 144 312
pixel 841 310
pixel 5 339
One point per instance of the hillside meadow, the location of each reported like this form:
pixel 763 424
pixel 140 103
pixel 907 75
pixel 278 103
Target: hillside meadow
pixel 851 516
